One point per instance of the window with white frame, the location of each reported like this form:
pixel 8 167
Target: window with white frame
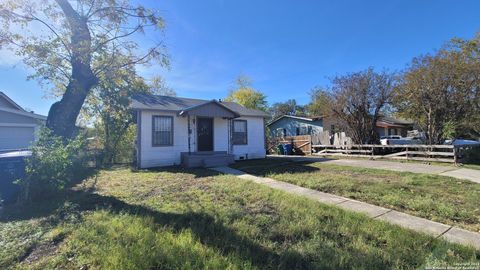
pixel 162 130
pixel 239 132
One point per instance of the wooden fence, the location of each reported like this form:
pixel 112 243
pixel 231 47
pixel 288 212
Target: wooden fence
pixel 302 145
pixel 320 145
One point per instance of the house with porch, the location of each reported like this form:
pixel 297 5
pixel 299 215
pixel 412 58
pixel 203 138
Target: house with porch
pixel 195 132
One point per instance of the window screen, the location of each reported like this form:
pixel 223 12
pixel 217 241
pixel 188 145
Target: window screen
pixel 239 132
pixel 162 131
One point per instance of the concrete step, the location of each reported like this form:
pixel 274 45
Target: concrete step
pixel 218 160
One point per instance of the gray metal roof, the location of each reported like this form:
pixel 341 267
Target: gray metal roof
pixel 178 104
pixel 392 120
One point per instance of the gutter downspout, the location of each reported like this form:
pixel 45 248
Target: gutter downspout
pixel 189 135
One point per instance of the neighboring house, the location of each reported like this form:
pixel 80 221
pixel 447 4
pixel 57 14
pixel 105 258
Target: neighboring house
pixel 18 127
pixel 195 132
pixel 392 126
pixel 289 125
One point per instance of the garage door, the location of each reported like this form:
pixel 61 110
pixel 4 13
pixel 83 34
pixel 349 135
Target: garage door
pixel 16 137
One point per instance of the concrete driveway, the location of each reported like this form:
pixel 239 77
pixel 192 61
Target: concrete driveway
pixel 452 171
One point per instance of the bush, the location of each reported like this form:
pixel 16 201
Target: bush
pixel 52 166
pixel 472 155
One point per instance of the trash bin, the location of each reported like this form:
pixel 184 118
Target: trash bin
pixel 287 149
pixel 280 149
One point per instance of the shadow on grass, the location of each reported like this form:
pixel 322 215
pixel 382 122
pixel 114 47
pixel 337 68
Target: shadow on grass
pixel 278 167
pixel 196 172
pixel 209 231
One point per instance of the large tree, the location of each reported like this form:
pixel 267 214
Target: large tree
pixel 320 102
pixel 441 91
pixel 70 44
pixel 243 93
pixel 289 107
pixel 358 100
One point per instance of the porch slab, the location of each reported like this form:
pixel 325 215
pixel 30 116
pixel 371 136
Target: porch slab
pixel 206 159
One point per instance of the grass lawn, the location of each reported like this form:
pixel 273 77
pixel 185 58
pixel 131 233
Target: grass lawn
pixel 197 219
pixel 439 198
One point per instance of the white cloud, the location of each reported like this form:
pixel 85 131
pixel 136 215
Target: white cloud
pixel 9 58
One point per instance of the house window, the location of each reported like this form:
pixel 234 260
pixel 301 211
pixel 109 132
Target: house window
pixel 280 132
pixel 162 130
pixel 239 132
pixel 304 130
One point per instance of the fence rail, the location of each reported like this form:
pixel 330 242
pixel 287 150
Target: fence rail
pixel 309 145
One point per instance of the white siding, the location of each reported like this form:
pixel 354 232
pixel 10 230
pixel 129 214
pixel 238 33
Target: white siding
pixel 153 156
pixel 170 155
pixel 255 147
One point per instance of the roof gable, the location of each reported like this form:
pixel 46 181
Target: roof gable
pixel 212 109
pixel 293 117
pixel 6 102
pixel 178 104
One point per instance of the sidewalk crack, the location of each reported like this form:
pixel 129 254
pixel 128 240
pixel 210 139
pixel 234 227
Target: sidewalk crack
pixel 444 232
pixel 382 214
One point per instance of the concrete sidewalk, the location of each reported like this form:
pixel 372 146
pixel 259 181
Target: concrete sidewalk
pixel 450 233
pixel 455 172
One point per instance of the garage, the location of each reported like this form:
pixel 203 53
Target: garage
pixel 16 137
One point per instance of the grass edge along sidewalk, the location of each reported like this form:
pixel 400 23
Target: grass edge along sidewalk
pixel 448 232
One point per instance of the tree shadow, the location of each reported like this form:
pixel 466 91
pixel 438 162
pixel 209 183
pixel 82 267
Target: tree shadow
pixel 280 168
pixel 209 231
pixel 196 172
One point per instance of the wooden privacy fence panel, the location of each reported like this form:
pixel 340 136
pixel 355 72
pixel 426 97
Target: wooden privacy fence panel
pixel 439 153
pixel 302 145
pixel 340 145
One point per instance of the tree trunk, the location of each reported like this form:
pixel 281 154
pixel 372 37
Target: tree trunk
pixel 63 114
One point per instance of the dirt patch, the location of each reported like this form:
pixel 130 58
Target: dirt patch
pixel 40 251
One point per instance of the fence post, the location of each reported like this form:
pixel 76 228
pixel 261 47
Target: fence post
pixel 310 139
pixel 406 152
pixel 455 158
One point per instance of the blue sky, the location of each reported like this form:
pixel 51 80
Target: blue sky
pixel 286 47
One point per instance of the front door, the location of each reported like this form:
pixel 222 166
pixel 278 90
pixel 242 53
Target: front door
pixel 205 134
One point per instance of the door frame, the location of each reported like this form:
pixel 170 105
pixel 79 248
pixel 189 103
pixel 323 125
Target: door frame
pixel 213 133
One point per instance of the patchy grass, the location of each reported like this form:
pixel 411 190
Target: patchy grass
pixel 198 219
pixel 438 198
pixel 471 166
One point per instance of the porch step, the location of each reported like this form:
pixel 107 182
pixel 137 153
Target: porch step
pixel 207 159
pixel 217 160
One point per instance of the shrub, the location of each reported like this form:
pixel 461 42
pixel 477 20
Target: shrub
pixel 53 164
pixel 472 155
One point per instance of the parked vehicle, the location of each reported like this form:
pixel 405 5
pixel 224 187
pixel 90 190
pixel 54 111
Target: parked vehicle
pixel 399 140
pixel 461 142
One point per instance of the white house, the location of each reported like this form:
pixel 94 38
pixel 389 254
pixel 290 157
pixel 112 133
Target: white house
pixel 195 132
pixel 18 127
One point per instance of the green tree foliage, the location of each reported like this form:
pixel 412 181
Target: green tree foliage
pixel 52 166
pixel 441 91
pixel 72 44
pixel 244 94
pixel 108 106
pixel 358 100
pixel 320 102
pixel 289 107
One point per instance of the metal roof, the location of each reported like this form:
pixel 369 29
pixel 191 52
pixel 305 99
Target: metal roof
pixel 179 104
pixel 306 118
